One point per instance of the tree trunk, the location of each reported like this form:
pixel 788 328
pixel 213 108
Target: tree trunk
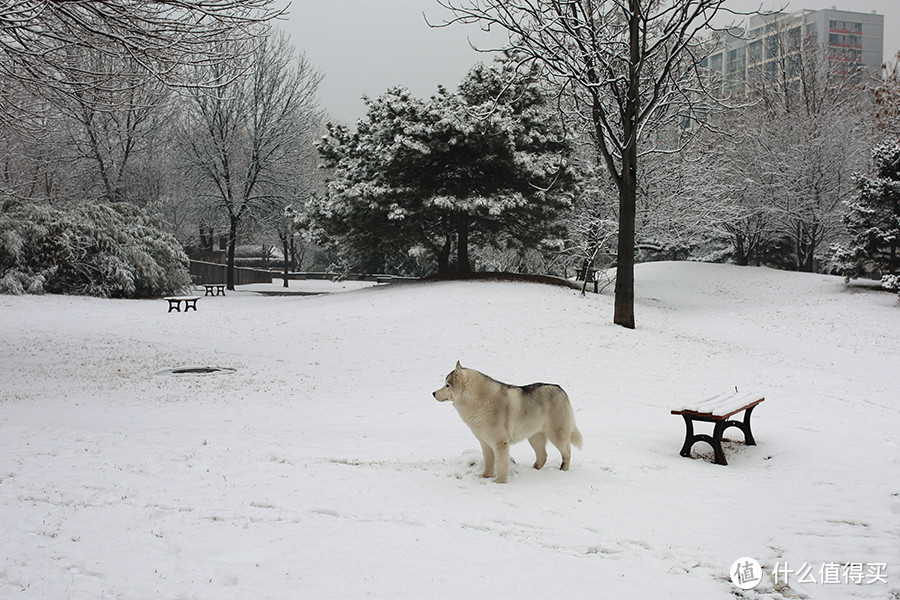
pixel 806 248
pixel 443 257
pixel 624 303
pixel 462 244
pixel 742 254
pixel 232 242
pixel 285 249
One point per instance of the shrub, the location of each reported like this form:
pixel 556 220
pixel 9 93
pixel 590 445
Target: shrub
pixel 891 282
pixel 105 250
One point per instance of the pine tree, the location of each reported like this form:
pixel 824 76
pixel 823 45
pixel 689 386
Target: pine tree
pixel 487 165
pixel 873 217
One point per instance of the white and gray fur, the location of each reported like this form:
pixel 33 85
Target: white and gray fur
pixel 500 414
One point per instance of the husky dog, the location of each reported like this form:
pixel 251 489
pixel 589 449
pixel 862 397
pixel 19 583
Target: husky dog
pixel 500 414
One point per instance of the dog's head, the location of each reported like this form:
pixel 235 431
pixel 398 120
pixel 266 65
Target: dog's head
pixel 452 385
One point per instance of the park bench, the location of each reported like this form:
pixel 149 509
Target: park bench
pixel 218 288
pixel 175 302
pixel 718 410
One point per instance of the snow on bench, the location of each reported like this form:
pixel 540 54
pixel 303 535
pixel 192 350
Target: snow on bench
pixel 722 405
pixel 717 409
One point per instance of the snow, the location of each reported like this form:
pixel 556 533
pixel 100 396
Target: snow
pixel 323 468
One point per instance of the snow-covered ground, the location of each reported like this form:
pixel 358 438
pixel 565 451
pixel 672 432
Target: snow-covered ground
pixel 323 468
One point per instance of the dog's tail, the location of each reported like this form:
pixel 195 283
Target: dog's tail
pixel 576 438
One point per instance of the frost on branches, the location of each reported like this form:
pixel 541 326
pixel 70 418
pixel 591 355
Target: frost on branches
pixel 487 166
pixel 873 218
pixel 105 250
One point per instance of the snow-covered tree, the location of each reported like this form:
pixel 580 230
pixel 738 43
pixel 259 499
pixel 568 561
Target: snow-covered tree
pixel 39 37
pixel 789 156
pixel 886 94
pixel 110 118
pixel 628 66
pixel 873 217
pixel 243 139
pixel 487 165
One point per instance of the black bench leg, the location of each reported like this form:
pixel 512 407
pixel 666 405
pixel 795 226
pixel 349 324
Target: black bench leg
pixel 744 426
pixel 721 426
pixel 176 306
pixel 690 438
pixel 748 435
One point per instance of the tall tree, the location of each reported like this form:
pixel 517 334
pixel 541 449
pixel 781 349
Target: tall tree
pixel 802 141
pixel 111 121
pixel 486 165
pixel 886 94
pixel 37 37
pixel 873 217
pixel 243 137
pixel 628 65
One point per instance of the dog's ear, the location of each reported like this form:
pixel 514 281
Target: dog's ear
pixel 459 374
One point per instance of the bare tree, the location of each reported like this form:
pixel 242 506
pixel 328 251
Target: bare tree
pixel 886 92
pixel 80 81
pixel 244 138
pixel 810 129
pixel 111 125
pixel 34 159
pixel 37 37
pixel 628 65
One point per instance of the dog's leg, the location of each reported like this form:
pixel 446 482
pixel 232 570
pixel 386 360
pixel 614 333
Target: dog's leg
pixel 502 454
pixel 539 442
pixel 566 452
pixel 488 454
pixel 562 440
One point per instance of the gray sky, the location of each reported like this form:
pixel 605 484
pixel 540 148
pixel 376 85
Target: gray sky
pixel 366 46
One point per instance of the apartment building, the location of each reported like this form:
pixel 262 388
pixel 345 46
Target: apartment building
pixel 852 40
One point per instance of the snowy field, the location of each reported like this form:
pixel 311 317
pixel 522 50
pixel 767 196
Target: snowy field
pixel 321 467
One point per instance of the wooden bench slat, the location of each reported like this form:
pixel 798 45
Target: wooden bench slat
pixel 722 405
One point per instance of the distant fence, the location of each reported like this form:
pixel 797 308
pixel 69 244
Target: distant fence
pixel 207 272
pixel 376 277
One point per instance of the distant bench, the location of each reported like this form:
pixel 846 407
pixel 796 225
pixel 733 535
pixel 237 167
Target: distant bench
pixel 718 409
pixel 175 302
pixel 587 275
pixel 218 288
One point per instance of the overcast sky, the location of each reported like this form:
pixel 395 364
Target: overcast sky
pixel 366 46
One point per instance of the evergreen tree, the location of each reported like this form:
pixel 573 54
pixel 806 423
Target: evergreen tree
pixel 487 165
pixel 873 217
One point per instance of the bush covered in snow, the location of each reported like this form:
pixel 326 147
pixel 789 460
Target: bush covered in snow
pixel 891 282
pixel 105 250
